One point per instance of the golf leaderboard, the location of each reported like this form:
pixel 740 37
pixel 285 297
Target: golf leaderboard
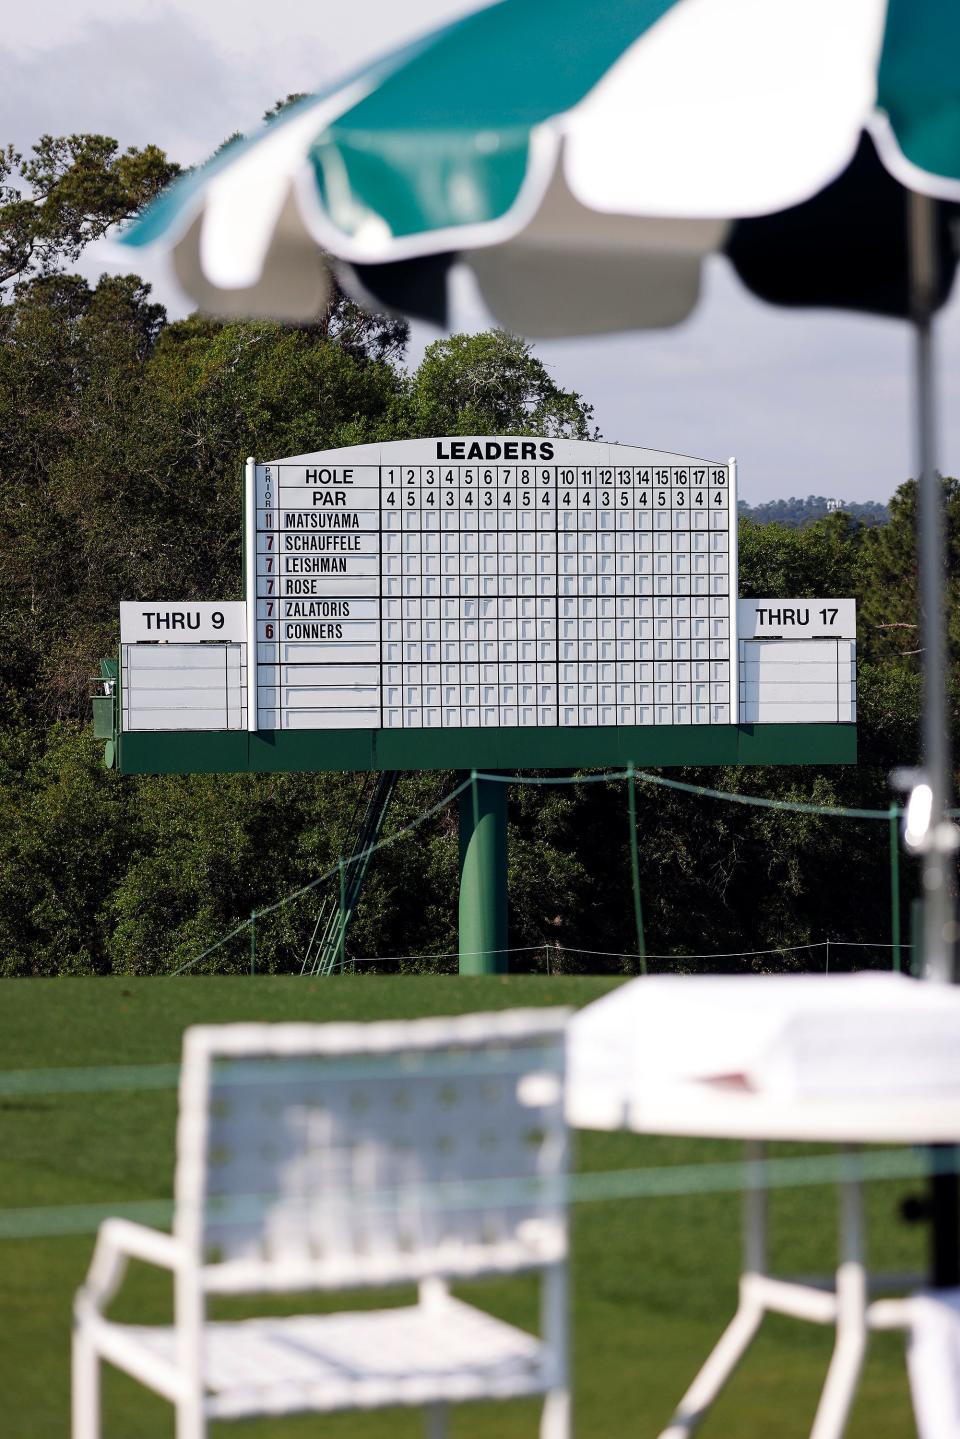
pixel 457 584
pixel 483 601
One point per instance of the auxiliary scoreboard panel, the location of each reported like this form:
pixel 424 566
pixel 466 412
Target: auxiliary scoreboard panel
pixel 490 582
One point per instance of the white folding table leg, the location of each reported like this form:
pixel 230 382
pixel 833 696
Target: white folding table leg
pixel 555 1416
pixel 436 1425
pixel 190 1420
pixel 851 1343
pixel 85 1386
pixel 739 1333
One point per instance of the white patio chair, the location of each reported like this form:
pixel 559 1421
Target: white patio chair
pixel 336 1157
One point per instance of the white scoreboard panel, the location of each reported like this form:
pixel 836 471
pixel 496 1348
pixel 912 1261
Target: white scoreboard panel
pixel 798 661
pixel 470 582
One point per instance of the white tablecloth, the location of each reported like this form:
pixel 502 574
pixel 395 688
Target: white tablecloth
pixel 868 1057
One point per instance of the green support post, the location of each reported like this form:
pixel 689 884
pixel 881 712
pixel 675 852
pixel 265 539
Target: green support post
pixel 483 877
pixel 895 885
pixel 341 947
pixel 253 941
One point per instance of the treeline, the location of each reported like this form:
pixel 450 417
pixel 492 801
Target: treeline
pixel 798 512
pixel 122 441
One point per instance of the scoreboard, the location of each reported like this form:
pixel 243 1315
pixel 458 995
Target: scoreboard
pixel 490 582
pixel 488 601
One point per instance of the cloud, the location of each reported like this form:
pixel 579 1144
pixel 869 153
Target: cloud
pixel 810 402
pixel 184 75
pixel 152 80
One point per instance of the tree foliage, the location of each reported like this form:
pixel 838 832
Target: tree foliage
pixel 798 512
pixel 278 106
pixel 776 559
pixel 67 192
pixel 491 383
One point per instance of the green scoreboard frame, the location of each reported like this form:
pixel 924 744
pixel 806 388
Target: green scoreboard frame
pixel 293 751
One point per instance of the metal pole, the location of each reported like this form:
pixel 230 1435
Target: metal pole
pixel 483 877
pixel 253 941
pixel 734 593
pixel 895 885
pixel 635 867
pixel 916 937
pixel 944 1217
pixel 939 928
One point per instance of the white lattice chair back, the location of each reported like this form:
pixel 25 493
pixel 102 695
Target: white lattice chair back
pixel 338 1155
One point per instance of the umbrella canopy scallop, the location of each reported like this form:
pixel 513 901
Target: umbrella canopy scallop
pixel 583 157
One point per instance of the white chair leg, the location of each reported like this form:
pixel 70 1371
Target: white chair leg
pixel 717 1369
pixel 848 1354
pixel 436 1421
pixel 840 1388
pixel 85 1387
pixel 555 1419
pixel 851 1343
pixel 739 1334
pixel 191 1421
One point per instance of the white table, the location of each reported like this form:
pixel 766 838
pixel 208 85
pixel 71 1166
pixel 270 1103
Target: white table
pixel 605 1093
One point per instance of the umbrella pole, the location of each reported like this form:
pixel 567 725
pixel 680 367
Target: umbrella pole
pixel 939 928
pixel 937 879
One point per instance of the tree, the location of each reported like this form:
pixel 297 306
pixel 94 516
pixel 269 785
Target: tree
pixel 68 831
pixel 888 575
pixel 489 384
pixel 128 436
pixel 820 559
pixel 365 334
pixel 75 510
pixel 278 106
pixel 68 192
pixel 799 512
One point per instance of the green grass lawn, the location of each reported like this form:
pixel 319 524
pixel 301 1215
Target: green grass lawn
pixel 653 1280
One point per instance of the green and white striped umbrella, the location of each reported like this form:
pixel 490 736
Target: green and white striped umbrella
pixel 583 156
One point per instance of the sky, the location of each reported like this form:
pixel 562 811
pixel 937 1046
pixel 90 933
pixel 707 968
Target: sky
pixel 810 403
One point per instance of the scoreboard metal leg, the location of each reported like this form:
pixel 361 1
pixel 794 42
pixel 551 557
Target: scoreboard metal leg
pixel 483 878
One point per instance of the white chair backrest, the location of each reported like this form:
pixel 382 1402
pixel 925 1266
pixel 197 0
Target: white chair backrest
pixel 337 1155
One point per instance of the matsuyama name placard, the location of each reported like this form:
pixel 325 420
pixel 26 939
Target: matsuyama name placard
pixel 479 581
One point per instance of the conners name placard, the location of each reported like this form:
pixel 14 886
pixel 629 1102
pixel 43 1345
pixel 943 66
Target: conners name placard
pixel 478 581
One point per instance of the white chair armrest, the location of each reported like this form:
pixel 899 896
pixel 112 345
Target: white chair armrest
pixel 118 1241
